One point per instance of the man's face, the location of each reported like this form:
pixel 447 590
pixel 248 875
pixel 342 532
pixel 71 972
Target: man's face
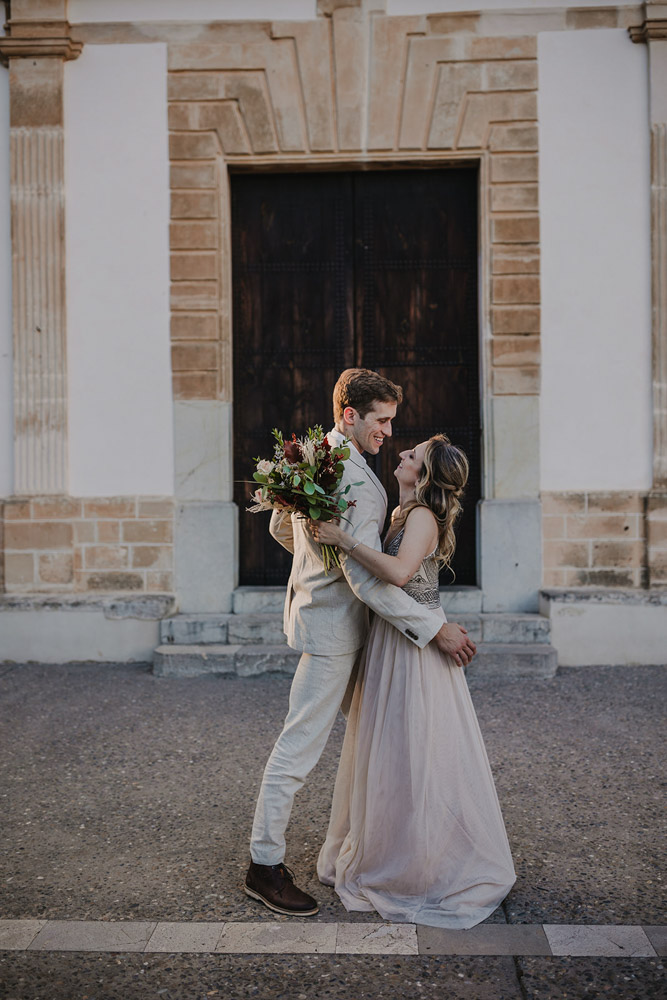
pixel 368 433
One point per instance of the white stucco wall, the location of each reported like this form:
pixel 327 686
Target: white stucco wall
pixel 6 414
pixel 117 190
pixel 596 424
pixel 191 10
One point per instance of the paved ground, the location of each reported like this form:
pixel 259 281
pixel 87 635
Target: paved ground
pixel 129 798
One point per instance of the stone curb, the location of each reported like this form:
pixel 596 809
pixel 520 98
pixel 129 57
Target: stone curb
pixel 320 937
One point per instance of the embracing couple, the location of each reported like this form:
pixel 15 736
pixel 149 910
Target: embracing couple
pixel 416 832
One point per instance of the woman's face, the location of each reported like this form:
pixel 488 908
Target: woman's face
pixel 410 466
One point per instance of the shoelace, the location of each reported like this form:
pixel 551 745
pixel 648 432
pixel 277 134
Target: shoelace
pixel 286 872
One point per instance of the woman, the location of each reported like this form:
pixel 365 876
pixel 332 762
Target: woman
pixel 416 831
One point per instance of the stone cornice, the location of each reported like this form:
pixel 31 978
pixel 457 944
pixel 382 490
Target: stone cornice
pixel 45 39
pixel 654 25
pixel 649 30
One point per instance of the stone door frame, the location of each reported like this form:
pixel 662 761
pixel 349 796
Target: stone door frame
pixel 280 102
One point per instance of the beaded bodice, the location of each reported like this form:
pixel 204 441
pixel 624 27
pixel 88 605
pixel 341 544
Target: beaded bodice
pixel 423 586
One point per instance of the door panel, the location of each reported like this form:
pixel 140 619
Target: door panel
pixel 416 316
pixel 374 269
pixel 292 280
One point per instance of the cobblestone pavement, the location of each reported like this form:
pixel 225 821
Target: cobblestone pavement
pixel 129 798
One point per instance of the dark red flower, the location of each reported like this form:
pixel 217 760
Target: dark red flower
pixel 292 450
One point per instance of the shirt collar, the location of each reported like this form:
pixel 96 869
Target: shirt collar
pixel 338 439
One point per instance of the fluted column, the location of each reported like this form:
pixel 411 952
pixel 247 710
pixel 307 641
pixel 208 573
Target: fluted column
pixel 35 50
pixel 40 388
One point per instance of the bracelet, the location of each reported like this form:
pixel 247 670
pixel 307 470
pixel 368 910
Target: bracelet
pixel 353 548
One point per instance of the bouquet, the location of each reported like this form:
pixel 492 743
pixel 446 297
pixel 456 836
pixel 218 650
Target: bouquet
pixel 304 477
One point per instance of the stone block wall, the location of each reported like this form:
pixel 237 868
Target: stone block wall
pixel 195 265
pixel 64 544
pixel 594 539
pixel 276 97
pixel 656 537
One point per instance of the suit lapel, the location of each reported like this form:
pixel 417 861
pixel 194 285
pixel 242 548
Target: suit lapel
pixel 376 482
pixel 360 463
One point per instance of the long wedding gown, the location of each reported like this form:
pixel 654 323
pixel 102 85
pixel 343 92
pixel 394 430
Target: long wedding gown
pixel 416 832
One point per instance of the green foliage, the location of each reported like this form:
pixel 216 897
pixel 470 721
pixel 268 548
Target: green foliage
pixel 304 477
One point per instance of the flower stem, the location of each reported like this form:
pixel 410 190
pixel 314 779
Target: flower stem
pixel 330 557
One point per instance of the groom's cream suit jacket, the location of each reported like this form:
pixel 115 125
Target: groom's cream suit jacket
pixel 329 613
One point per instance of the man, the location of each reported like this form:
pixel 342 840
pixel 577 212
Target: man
pixel 326 619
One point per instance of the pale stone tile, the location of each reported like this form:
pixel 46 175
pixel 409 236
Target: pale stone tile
pixel 445 24
pixel 502 48
pixel 513 289
pixel 513 197
pixel 510 75
pixel 194 295
pixel 482 109
pixel 485 939
pixel 597 939
pixel 513 138
pixel 185 937
pixel 277 938
pixel 391 38
pixel 515 229
pixel 515 168
pixel 455 80
pixel 377 939
pixel 515 319
pixel 425 55
pixel 350 39
pixel 523 381
pixel 93 935
pixel 515 350
pixel 607 18
pixel 312 43
pixel 658 938
pixel 15 935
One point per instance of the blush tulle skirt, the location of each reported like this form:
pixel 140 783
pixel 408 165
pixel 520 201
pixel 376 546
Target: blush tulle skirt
pixel 416 832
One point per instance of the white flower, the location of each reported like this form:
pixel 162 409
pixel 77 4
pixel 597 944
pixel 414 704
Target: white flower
pixel 308 451
pixel 265 467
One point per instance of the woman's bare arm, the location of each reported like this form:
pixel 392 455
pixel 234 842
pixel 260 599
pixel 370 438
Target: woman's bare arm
pixel 420 537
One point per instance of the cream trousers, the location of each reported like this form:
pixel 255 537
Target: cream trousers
pixel 318 691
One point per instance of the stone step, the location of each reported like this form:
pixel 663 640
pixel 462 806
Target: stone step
pixel 216 629
pixel 514 659
pixel 258 600
pixel 514 628
pixel 461 600
pixel 267 628
pixel 242 660
pixel 190 630
pixel 492 660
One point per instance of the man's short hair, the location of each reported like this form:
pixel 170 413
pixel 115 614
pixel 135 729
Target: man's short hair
pixel 361 388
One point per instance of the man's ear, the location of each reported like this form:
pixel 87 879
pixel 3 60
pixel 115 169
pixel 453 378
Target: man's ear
pixel 349 414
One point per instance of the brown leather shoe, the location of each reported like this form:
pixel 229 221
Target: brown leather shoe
pixel 274 886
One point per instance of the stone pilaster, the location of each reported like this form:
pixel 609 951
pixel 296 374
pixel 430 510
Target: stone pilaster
pixel 35 50
pixel 659 295
pixel 653 31
pixel 40 390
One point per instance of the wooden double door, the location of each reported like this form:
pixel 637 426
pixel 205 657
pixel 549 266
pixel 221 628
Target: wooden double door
pixel 370 269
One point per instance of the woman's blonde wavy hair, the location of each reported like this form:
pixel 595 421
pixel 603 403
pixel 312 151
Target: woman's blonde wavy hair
pixel 440 487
